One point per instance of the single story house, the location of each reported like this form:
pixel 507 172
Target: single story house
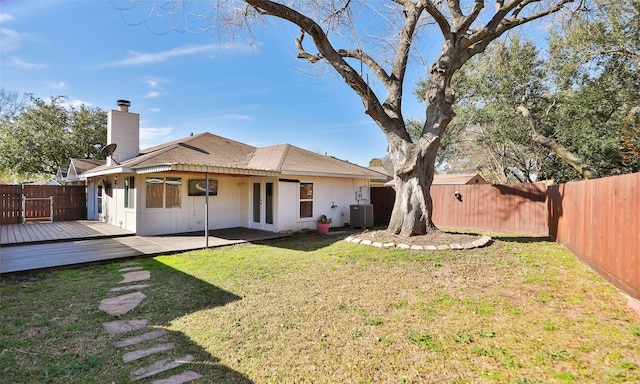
pixel 163 189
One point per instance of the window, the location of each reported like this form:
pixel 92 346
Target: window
pixel 163 193
pixel 99 199
pixel 306 200
pixel 173 196
pixel 130 192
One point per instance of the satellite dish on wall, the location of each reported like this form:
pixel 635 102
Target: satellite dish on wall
pixel 108 150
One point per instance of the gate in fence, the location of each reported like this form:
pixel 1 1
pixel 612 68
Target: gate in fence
pixel 25 203
pixel 37 209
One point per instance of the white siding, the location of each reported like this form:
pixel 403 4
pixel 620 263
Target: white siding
pixel 112 197
pixel 226 210
pixel 123 129
pixel 332 197
pixel 231 207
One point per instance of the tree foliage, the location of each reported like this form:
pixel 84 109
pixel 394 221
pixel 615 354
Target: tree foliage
pixel 580 115
pixel 40 135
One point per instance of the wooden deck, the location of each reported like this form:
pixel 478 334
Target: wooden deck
pixel 65 248
pixel 32 233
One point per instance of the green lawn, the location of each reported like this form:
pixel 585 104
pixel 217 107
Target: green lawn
pixel 315 309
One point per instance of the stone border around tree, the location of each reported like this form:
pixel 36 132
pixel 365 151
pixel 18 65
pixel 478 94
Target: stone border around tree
pixel 479 243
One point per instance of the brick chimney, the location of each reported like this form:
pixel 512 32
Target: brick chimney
pixel 123 129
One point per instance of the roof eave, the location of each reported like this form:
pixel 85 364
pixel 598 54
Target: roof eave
pixel 329 174
pixel 106 171
pixel 205 168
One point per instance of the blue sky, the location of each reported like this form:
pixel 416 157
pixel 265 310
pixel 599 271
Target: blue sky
pixel 256 92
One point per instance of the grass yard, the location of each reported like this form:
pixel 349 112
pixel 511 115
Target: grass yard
pixel 314 309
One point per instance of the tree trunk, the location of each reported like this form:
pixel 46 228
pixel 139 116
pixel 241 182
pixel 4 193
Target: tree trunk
pixel 414 163
pixel 413 208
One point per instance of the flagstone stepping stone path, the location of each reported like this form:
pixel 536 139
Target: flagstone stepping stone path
pixel 116 306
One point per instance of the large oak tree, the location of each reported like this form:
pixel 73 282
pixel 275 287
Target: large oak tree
pixel 348 36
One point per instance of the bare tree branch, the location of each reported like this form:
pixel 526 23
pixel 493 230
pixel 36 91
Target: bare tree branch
pixel 571 158
pixel 372 105
pixel 442 21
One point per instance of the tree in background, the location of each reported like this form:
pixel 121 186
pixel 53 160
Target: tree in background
pixel 39 135
pixel 522 117
pixel 596 59
pixel 370 45
pixel 10 103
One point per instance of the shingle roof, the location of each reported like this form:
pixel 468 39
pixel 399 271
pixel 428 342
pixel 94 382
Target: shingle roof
pixel 83 165
pixel 458 179
pixel 451 179
pixel 204 148
pixel 208 149
pixel 293 160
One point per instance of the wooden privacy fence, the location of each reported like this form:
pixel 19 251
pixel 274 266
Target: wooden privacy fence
pixel 599 220
pixel 506 208
pixel 42 202
pixel 510 208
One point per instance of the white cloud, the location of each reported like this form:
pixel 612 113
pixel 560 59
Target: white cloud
pixel 77 103
pixel 155 82
pixel 57 85
pixel 141 58
pixel 153 94
pixel 150 137
pixel 4 17
pixel 154 110
pixel 236 116
pixel 25 64
pixel 10 39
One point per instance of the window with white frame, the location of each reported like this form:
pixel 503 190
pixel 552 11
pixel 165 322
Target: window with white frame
pixel 306 200
pixel 164 192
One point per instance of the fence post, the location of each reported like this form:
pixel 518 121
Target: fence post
pixel 23 217
pixel 23 214
pixel 51 208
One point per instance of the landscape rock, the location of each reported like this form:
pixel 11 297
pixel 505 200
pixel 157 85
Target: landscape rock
pixel 159 366
pixel 131 277
pixel 121 326
pixel 140 353
pixel 116 306
pixel 141 338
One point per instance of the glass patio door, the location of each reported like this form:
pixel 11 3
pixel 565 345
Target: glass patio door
pixel 262 205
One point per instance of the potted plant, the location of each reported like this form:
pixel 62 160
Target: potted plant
pixel 323 224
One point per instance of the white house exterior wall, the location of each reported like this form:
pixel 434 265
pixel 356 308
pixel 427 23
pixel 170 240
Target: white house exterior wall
pixel 332 197
pixel 231 207
pixel 227 209
pixel 113 210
